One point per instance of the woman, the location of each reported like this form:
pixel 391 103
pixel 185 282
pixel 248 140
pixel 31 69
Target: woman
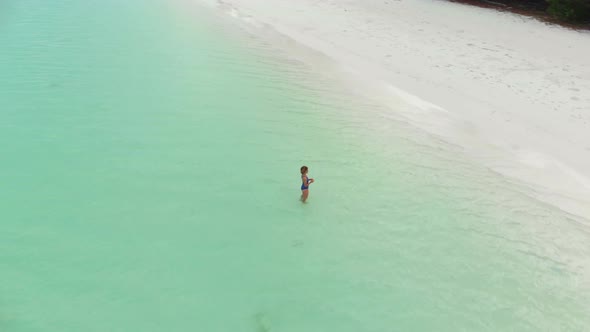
pixel 305 182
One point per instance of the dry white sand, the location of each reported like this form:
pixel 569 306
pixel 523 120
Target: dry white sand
pixel 512 91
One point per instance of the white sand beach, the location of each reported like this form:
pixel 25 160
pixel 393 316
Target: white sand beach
pixel 513 92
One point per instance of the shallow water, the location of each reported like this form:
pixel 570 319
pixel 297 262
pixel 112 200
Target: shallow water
pixel 150 182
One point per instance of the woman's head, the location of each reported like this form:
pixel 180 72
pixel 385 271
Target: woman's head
pixel 303 169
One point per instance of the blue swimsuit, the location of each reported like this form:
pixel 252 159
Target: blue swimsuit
pixel 306 185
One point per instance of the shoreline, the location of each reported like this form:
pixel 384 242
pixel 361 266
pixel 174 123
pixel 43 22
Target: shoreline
pixel 509 90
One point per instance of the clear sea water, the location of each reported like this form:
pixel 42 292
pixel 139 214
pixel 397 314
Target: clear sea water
pixel 149 169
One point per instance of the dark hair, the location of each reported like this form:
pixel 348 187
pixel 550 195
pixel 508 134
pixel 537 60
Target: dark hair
pixel 303 169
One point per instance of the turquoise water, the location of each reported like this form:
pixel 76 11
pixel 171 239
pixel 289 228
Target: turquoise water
pixel 149 170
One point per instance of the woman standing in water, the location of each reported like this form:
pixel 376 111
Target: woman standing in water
pixel 305 182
